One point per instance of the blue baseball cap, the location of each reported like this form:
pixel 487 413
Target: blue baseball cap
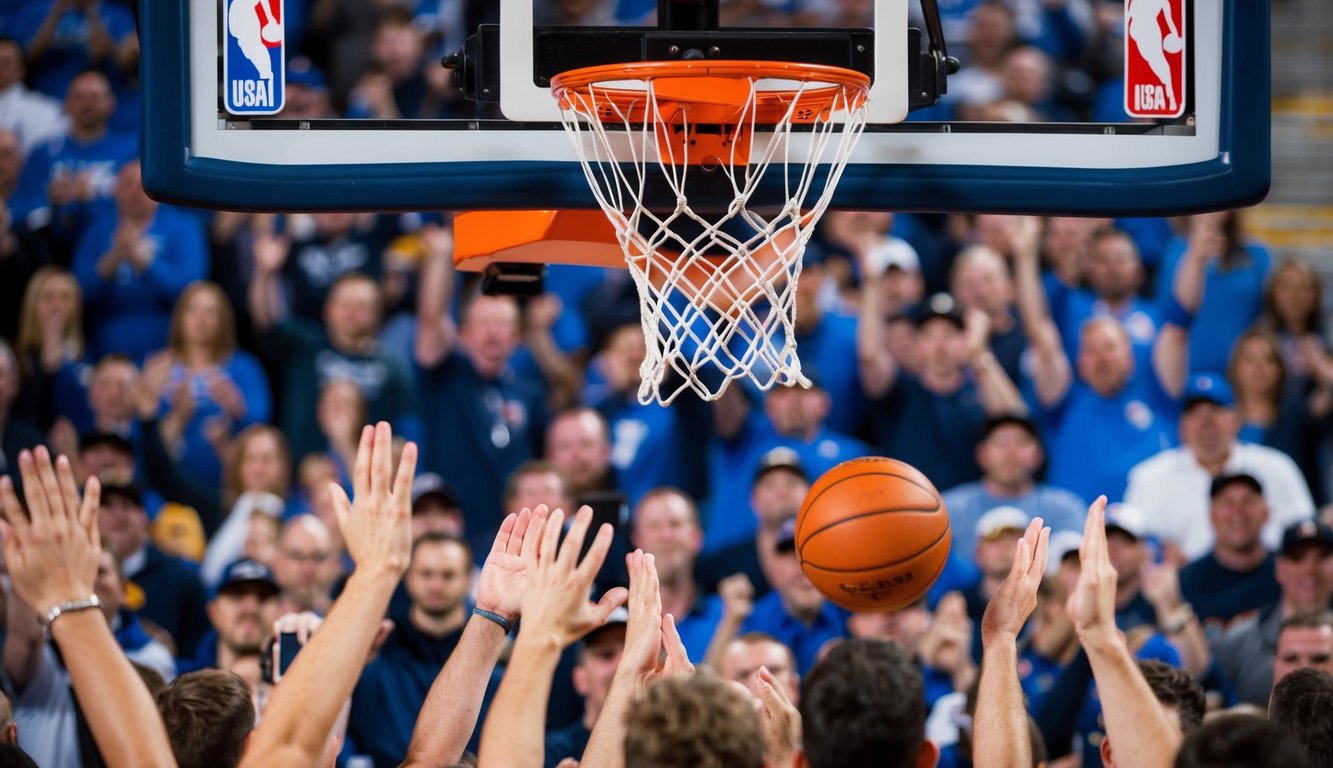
pixel 301 71
pixel 1208 388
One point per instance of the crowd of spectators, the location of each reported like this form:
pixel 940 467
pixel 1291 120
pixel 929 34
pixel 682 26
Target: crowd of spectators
pixel 207 377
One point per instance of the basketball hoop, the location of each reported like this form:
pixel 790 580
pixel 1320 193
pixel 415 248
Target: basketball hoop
pixel 678 155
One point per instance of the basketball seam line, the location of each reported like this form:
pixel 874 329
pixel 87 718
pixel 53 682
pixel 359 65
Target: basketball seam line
pixel 918 553
pixel 811 502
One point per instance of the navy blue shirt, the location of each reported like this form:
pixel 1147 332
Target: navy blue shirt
pixel 480 431
pixel 569 741
pixel 937 434
pixel 1219 595
pixel 392 690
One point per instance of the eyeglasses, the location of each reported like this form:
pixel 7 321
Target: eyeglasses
pixel 306 557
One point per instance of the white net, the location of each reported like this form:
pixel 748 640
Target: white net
pixel 716 279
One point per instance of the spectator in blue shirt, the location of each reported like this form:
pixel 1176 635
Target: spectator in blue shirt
pixel 346 346
pixel 1234 271
pixel 933 418
pixel 71 179
pixel 393 687
pixel 227 384
pixel 495 420
pixel 1238 576
pixel 162 588
pixel 792 416
pixel 1115 275
pixel 645 438
pixel 133 265
pixel 62 39
pixel 242 612
pixel 1010 455
pixel 827 341
pixel 666 525
pixel 795 612
pixel 980 280
pixel 1130 410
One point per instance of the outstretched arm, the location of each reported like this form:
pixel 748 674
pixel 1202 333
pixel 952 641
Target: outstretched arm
pixel 556 613
pixel 378 531
pixel 51 552
pixel 435 289
pixel 878 368
pixel 997 392
pixel 1170 354
pixel 1000 725
pixel 1051 370
pixel 267 307
pixel 1133 717
pixel 450 712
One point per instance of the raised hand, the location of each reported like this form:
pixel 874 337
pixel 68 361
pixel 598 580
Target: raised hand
pixel 737 595
pixel 504 576
pixel 51 549
pixel 643 632
pixel 152 382
pixel 947 646
pixel 1014 601
pixel 1091 605
pixel 556 609
pixel 1023 235
pixel 780 718
pixel 377 523
pixel 270 251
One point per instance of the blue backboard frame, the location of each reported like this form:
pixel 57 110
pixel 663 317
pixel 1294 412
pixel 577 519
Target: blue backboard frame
pixel 174 171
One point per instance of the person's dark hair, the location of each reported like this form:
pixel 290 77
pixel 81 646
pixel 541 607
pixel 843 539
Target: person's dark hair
pixel 441 537
pixel 697 722
pixel 208 715
pixel 863 704
pixel 1240 741
pixel 12 756
pixel 152 679
pixel 1271 320
pixel 1174 687
pixel 1301 703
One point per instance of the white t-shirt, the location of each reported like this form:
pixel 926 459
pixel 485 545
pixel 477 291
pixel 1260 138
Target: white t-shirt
pixel 1171 489
pixel 44 711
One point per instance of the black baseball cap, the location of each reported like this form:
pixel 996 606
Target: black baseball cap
pixel 431 485
pixel 99 437
pixel 1007 419
pixel 247 572
pixel 940 306
pixel 1304 533
pixel 781 457
pixel 1222 482
pixel 116 484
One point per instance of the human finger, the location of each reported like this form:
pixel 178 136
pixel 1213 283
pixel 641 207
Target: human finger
pixel 550 537
pixel 342 506
pixel 361 467
pixel 613 599
pixel 39 514
pixel 533 536
pixel 1042 554
pixel 89 508
pixel 506 532
pixel 13 511
pixel 381 461
pixel 597 555
pixel 407 471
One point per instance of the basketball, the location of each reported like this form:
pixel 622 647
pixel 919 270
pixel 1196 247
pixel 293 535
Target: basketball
pixel 873 534
pixel 272 32
pixel 1172 44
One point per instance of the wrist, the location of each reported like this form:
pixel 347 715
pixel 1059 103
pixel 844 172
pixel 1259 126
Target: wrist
pixel 501 620
pixel 1100 640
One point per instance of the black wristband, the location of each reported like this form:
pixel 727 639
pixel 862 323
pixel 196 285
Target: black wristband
pixel 505 624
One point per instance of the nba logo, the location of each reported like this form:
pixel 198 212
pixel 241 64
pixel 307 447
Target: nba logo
pixel 1155 58
pixel 253 57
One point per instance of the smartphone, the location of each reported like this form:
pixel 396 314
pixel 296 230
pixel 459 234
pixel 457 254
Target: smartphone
pixel 287 648
pixel 607 507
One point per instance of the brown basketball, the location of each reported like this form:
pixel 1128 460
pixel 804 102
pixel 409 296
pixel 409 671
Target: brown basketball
pixel 873 534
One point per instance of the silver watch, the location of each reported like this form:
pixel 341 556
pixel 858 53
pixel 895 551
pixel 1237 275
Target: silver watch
pixel 69 606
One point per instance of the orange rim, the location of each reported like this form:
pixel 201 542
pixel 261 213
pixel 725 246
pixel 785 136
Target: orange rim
pixel 713 83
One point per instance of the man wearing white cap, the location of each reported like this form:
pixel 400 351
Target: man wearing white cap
pixel 998 532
